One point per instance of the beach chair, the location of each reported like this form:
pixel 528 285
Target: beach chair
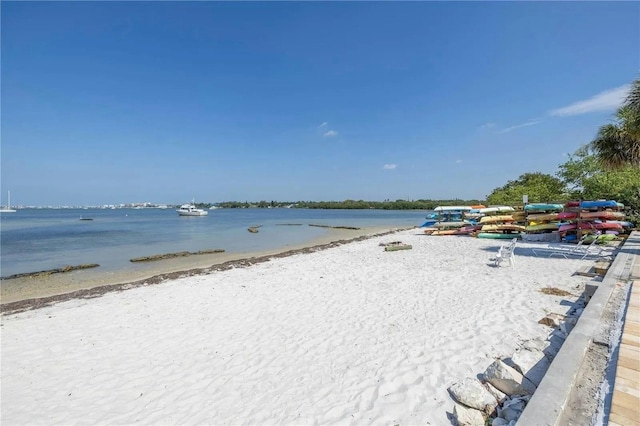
pixel 506 252
pixel 579 250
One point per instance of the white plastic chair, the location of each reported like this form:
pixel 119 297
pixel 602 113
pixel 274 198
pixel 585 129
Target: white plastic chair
pixel 581 250
pixel 506 252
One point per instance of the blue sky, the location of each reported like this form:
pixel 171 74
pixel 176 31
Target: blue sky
pixel 106 102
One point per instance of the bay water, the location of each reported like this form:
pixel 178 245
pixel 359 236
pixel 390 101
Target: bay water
pixel 41 239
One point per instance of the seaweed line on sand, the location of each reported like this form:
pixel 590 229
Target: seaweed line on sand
pixel 335 227
pixel 90 293
pixel 62 270
pixel 177 254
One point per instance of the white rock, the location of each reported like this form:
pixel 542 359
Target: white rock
pixel 508 380
pixel 534 344
pixel 471 393
pixel 497 394
pixel 532 364
pixel 467 416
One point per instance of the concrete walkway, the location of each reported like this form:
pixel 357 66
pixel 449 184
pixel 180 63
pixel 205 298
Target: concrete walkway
pixel 549 402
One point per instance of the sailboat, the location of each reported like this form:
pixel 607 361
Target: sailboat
pixel 8 209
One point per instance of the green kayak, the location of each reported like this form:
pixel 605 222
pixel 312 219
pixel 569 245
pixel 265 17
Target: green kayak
pixel 498 236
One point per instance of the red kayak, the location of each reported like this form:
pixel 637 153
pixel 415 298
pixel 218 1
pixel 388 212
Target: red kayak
pixel 567 215
pixel 600 225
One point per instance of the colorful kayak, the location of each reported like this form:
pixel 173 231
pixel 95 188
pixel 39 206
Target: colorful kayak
pixel 497 218
pixel 567 227
pixel 540 217
pixel 604 214
pixel 452 208
pixel 503 227
pixel 607 225
pixel 601 238
pixel 460 231
pixel 543 227
pixel 594 204
pixel 543 207
pixel 598 204
pixel 623 223
pixel 567 215
pixel 445 225
pixel 599 225
pixel 544 222
pixel 440 226
pixel 497 236
pixel 496 209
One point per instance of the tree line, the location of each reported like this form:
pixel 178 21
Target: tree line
pixel 351 204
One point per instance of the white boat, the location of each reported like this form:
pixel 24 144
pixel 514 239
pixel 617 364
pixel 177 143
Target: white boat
pixel 8 209
pixel 190 209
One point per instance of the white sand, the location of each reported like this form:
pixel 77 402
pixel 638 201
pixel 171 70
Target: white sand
pixel 349 335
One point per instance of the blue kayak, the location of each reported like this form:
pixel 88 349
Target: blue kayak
pixel 598 203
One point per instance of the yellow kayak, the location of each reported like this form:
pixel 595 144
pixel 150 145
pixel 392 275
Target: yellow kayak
pixel 502 227
pixel 539 217
pixel 543 227
pixel 496 218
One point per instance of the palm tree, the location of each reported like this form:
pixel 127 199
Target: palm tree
pixel 617 145
pixel 633 100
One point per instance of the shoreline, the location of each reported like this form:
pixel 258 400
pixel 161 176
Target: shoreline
pixel 33 292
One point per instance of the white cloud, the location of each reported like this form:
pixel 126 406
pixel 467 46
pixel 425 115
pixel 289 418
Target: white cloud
pixel 458 161
pixel 517 126
pixel 488 125
pixel 390 166
pixel 331 133
pixel 323 125
pixel 608 100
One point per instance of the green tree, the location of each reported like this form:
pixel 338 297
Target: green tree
pixel 589 180
pixel 580 166
pixel 617 145
pixel 539 187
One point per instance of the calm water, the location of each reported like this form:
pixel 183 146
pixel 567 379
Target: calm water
pixel 41 239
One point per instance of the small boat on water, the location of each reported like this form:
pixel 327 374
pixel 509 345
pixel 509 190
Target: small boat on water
pixel 8 209
pixel 190 209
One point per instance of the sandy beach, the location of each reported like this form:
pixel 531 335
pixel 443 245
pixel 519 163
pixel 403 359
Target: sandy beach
pixel 346 335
